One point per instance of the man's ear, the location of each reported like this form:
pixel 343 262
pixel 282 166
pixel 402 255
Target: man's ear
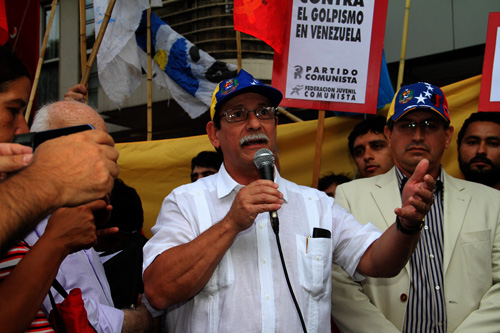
pixel 387 133
pixel 212 133
pixel 449 135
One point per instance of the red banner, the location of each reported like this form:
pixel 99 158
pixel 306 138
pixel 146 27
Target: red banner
pixel 24 30
pixel 489 95
pixel 262 19
pixel 4 28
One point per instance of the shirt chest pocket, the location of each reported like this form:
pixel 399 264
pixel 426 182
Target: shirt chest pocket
pixel 314 258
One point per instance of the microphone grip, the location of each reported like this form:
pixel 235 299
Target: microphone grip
pixel 275 222
pixel 266 172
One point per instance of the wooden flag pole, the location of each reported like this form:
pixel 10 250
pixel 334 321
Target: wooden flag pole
pixel 319 143
pixel 403 45
pixel 83 36
pixel 150 80
pixel 97 44
pixel 238 50
pixel 83 39
pixel 40 60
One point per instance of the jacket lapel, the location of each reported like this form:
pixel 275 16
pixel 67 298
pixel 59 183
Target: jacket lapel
pixel 456 201
pixel 386 196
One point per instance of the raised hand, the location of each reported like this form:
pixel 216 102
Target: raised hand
pixel 82 166
pixel 257 197
pixel 417 196
pixel 74 228
pixel 76 93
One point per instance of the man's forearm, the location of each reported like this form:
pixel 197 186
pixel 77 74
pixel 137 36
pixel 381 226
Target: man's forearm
pixel 388 254
pixel 24 290
pixel 25 201
pixel 182 271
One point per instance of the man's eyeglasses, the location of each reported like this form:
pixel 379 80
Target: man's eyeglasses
pixel 241 114
pixel 427 126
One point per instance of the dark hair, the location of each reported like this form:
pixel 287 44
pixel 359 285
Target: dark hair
pixel 11 67
pixel 330 178
pixel 127 213
pixel 207 159
pixel 493 117
pixel 373 124
pixel 216 119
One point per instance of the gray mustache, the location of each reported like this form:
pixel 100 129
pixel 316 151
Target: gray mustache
pixel 254 137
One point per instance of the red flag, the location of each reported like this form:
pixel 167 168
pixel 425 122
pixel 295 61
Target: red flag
pixel 24 31
pixel 264 19
pixel 4 28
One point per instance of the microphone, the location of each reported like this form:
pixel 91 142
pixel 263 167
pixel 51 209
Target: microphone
pixel 264 161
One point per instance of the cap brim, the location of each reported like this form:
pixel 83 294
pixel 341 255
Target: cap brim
pixel 423 108
pixel 272 94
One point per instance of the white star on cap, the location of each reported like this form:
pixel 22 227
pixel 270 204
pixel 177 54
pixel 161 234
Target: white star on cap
pixel 420 99
pixel 254 82
pixel 427 94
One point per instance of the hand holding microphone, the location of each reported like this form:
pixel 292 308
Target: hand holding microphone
pixel 264 161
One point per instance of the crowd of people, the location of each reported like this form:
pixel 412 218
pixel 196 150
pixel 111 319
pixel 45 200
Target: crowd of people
pixel 404 248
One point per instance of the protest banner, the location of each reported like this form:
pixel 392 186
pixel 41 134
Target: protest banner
pixel 332 55
pixel 489 96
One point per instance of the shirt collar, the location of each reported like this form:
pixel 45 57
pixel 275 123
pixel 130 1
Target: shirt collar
pixel 226 184
pixel 439 182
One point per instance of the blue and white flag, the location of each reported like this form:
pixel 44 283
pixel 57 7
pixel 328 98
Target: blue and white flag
pixel 118 62
pixel 189 73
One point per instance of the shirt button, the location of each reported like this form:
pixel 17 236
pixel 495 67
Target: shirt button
pixel 431 256
pixel 403 297
pixel 426 227
pixel 267 297
pixel 438 287
pixel 261 226
pixel 264 261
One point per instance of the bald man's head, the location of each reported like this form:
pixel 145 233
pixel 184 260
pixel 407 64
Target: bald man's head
pixel 66 113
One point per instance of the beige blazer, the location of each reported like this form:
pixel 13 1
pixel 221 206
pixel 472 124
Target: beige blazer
pixel 471 259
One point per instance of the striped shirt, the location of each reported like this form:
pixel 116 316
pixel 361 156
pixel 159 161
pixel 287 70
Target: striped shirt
pixel 40 323
pixel 426 310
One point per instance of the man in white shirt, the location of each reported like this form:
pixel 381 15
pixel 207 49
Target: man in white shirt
pixel 213 263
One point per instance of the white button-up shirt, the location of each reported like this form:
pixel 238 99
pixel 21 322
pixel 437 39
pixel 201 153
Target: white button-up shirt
pixel 248 291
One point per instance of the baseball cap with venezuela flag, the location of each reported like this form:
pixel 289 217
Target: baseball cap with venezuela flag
pixel 419 96
pixel 242 83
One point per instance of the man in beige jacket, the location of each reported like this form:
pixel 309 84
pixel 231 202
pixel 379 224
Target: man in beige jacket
pixel 450 283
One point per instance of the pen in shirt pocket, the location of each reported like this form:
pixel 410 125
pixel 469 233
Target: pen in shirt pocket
pixel 318 233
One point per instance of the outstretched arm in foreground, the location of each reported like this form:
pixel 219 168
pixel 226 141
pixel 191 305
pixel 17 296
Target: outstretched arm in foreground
pixel 67 171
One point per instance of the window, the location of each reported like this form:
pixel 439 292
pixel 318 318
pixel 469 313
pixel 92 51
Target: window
pixel 48 85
